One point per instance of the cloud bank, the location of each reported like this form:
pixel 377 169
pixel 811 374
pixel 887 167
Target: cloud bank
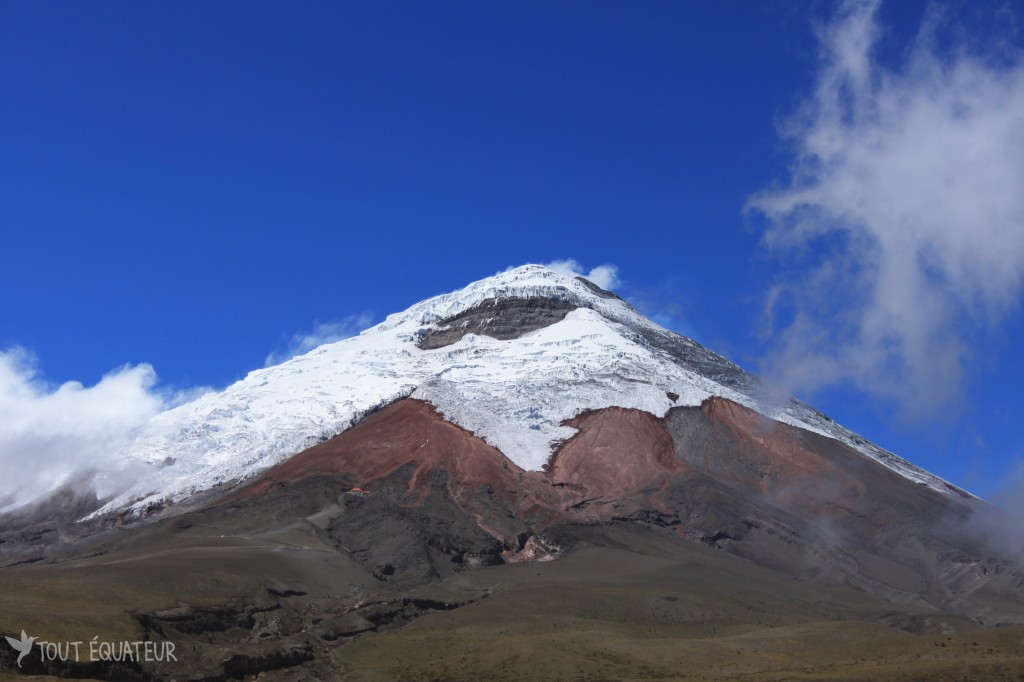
pixel 49 435
pixel 902 220
pixel 322 332
pixel 605 276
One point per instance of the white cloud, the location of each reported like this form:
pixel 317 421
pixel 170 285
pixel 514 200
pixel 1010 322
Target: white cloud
pixel 322 332
pixel 998 527
pixel 605 276
pixel 51 434
pixel 902 221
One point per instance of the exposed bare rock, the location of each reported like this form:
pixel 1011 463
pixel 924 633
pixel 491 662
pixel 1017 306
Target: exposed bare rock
pixel 503 319
pixel 603 293
pixel 409 435
pixel 817 508
pixel 617 463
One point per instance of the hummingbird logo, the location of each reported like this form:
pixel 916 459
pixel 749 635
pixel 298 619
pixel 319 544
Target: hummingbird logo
pixel 23 646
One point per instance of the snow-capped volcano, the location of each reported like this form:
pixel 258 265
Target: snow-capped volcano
pixel 509 358
pixel 527 417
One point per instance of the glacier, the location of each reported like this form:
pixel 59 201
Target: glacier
pixel 515 393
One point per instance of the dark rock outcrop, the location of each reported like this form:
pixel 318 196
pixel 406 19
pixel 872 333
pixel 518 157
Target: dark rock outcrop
pixel 503 319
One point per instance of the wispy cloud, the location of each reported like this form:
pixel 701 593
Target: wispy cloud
pixel 998 527
pixel 605 276
pixel 902 221
pixel 322 332
pixel 661 302
pixel 665 303
pixel 51 434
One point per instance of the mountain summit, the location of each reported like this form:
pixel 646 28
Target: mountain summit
pixel 509 358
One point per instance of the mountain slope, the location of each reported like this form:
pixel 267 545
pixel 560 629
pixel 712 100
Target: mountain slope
pixel 510 358
pixel 785 498
pixel 527 465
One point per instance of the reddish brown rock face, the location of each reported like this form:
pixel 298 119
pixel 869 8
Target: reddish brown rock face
pixel 778 459
pixel 617 451
pixel 616 464
pixel 409 433
pixel 765 469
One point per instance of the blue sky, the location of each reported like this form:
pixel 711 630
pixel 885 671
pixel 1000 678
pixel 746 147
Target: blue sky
pixel 818 191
